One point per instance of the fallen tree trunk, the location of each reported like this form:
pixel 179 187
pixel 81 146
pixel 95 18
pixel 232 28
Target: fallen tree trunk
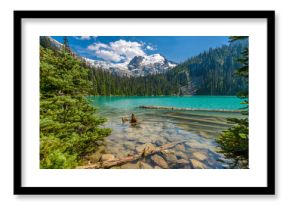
pixel 190 109
pixel 116 162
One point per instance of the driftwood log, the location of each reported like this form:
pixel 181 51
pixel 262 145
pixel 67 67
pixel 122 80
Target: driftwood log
pixel 116 162
pixel 190 109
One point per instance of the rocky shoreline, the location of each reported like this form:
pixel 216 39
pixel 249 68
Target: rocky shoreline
pixel 149 157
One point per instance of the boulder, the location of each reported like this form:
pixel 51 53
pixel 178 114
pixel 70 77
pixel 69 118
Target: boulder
pixel 107 157
pixel 197 164
pixel 160 161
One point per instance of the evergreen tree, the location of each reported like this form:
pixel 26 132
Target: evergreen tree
pixel 234 142
pixel 66 46
pixel 68 123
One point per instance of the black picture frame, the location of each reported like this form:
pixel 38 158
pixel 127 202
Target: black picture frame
pixel 268 190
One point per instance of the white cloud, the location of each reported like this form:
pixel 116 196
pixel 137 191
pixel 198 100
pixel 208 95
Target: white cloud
pixel 151 48
pixel 97 46
pixel 108 55
pixel 117 51
pixel 85 38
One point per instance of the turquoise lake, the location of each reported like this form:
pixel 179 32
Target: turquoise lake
pixel 197 130
pixel 201 102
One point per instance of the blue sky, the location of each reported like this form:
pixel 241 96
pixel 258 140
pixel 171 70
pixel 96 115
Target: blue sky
pixel 120 49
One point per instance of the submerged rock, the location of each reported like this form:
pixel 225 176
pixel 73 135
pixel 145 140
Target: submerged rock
pixel 130 166
pixel 204 134
pixel 144 165
pixel 182 161
pixel 143 140
pixel 180 147
pixel 191 144
pixel 145 148
pixel 173 138
pixel 107 157
pixel 94 157
pixel 197 164
pixel 200 156
pixel 128 145
pixel 115 167
pixel 169 156
pixel 167 151
pixel 160 142
pixel 124 119
pixel 181 155
pixel 160 161
pixel 131 137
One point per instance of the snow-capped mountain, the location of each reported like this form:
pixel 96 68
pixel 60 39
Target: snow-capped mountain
pixel 152 64
pixel 116 69
pixel 138 66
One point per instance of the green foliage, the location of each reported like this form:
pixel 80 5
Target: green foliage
pixel 68 123
pixel 234 142
pixel 62 74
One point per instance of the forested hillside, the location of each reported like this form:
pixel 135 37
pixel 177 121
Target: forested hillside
pixel 105 83
pixel 213 72
pixel 210 73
